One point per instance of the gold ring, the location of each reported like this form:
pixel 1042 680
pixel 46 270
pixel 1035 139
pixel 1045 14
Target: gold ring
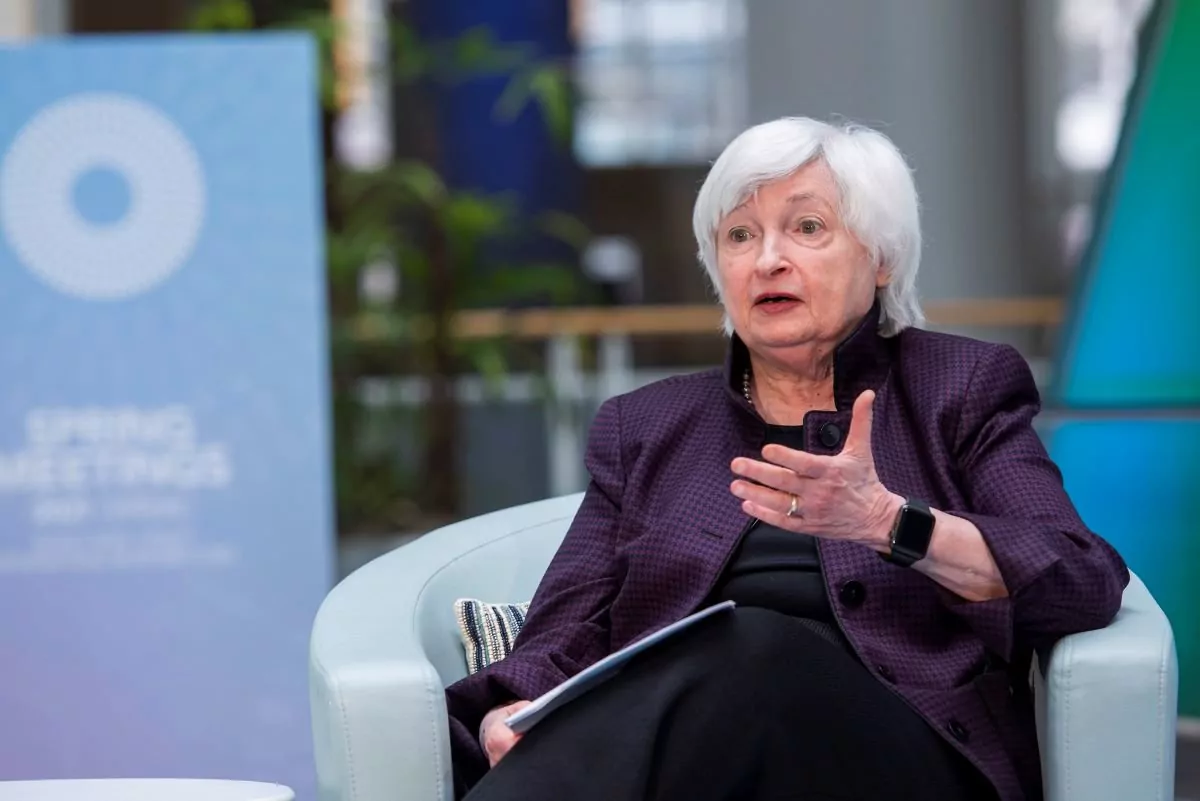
pixel 791 512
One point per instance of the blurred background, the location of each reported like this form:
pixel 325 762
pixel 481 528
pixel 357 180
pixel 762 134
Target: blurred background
pixel 509 189
pixel 509 184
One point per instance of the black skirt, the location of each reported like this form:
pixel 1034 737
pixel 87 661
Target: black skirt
pixel 745 706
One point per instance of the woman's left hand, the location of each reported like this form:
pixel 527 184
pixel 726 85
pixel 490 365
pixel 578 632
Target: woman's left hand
pixel 836 497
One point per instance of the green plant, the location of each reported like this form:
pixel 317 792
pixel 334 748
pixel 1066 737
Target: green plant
pixel 439 243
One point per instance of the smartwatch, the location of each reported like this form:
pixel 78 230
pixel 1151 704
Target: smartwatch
pixel 911 533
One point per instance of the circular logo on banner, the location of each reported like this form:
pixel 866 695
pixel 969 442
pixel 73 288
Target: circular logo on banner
pixel 101 196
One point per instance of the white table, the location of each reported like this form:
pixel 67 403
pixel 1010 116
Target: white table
pixel 143 790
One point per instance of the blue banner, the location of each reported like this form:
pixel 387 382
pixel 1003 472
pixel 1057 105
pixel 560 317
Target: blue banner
pixel 165 503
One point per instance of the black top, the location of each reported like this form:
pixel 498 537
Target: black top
pixel 774 568
pixel 779 570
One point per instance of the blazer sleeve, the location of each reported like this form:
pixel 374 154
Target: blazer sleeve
pixel 567 626
pixel 1061 577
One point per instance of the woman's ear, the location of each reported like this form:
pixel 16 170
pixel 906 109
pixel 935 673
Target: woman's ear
pixel 883 276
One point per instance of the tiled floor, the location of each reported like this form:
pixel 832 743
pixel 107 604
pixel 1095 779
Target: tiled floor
pixel 1187 769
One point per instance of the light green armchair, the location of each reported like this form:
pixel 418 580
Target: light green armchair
pixel 385 644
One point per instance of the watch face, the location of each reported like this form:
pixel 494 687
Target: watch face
pixel 914 529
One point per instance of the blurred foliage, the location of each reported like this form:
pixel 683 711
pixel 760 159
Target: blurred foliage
pixel 440 244
pixel 221 15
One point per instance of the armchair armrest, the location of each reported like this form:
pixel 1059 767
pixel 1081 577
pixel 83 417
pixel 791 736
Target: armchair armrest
pixel 1106 703
pixel 379 716
pixel 385 643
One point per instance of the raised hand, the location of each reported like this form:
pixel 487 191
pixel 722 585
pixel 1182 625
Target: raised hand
pixel 836 497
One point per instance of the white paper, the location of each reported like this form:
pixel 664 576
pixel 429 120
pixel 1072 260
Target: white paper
pixel 601 671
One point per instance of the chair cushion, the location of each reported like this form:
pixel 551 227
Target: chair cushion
pixel 488 630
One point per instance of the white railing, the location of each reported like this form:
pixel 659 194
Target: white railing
pixel 572 390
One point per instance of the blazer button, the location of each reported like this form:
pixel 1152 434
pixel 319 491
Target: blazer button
pixel 830 435
pixel 886 673
pixel 958 731
pixel 853 593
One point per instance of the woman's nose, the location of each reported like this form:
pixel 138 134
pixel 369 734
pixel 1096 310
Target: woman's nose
pixel 770 256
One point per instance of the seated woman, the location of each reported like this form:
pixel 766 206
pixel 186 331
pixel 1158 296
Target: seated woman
pixel 872 495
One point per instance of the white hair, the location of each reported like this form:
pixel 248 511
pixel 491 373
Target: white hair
pixel 878 202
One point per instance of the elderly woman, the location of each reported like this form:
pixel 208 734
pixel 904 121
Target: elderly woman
pixel 873 497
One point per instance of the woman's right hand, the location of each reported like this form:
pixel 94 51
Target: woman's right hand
pixel 496 738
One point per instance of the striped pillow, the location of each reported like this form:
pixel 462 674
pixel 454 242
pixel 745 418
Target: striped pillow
pixel 488 630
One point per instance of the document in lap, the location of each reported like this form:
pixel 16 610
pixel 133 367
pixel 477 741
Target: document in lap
pixel 601 671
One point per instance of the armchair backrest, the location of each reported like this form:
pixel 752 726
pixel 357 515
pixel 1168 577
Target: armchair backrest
pixel 497 558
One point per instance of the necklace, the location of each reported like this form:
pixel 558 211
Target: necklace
pixel 746 386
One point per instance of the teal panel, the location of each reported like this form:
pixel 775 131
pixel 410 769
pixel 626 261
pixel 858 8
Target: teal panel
pixel 1133 336
pixel 1137 484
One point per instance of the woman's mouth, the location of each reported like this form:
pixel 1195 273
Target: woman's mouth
pixel 775 303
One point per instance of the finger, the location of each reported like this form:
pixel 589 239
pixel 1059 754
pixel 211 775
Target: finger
pixel 497 747
pixel 808 465
pixel 493 751
pixel 858 440
pixel 772 516
pixel 493 755
pixel 762 496
pixel 770 475
pixel 496 755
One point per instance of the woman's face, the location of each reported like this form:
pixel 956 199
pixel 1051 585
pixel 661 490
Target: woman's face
pixel 791 273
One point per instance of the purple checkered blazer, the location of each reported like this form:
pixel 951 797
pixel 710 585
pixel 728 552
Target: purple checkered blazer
pixel 952 426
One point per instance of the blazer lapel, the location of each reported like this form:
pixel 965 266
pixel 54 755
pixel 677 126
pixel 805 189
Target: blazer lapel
pixel 719 520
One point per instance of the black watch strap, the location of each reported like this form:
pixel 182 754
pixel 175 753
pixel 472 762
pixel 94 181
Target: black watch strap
pixel 911 533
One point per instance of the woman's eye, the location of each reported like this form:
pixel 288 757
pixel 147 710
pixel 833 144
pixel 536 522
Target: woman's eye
pixel 810 227
pixel 739 235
